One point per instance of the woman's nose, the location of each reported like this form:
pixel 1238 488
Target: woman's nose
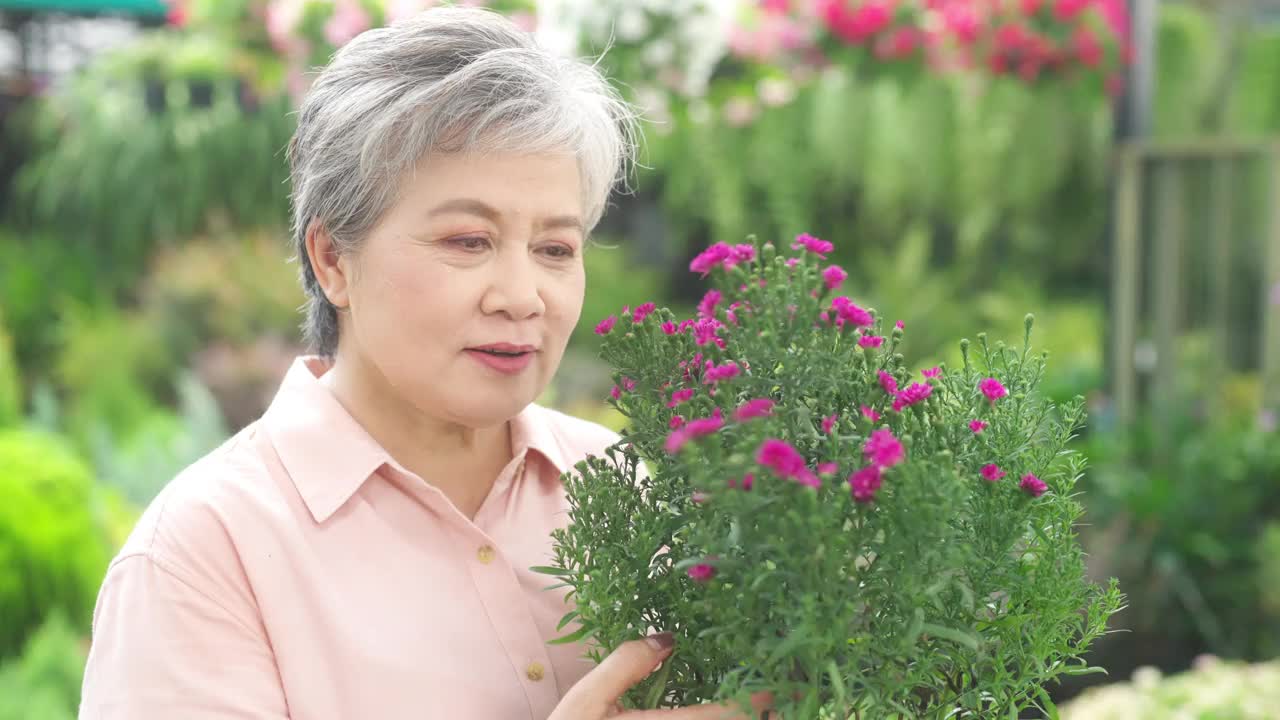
pixel 514 288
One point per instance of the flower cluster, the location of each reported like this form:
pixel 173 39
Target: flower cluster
pixel 779 448
pixel 1028 39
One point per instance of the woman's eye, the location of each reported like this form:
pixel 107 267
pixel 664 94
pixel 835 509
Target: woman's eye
pixel 472 242
pixel 559 252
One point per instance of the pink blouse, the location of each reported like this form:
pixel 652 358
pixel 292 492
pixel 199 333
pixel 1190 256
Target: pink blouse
pixel 299 572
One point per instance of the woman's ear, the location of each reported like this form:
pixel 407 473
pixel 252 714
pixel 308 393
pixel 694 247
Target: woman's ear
pixel 331 269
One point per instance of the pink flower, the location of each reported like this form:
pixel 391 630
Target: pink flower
pixel 691 430
pixel 615 393
pixel 702 572
pixel 699 497
pixel 887 382
pixel 883 449
pixel 812 244
pixel 914 393
pixel 962 20
pixel 993 389
pixel 977 426
pixel 900 325
pixel 760 407
pixel 828 423
pixel 1032 485
pixel 716 373
pixel 686 324
pixel 349 19
pixel 629 384
pixel 870 341
pixel 669 328
pixel 991 472
pixel 1064 10
pixel 1087 47
pixel 707 306
pixel 1031 7
pixel 606 325
pixel 864 483
pixel 675 422
pixel 742 253
pixel 642 312
pixel 704 331
pixel 710 258
pixel 854 25
pixel 828 468
pixel 834 276
pixel 680 396
pixel 793 262
pixel 870 414
pixel 932 372
pixel 786 462
pixel 748 481
pixel 848 312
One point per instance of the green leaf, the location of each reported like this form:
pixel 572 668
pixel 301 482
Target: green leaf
pixel 575 636
pixel 946 633
pixel 1050 709
pixel 568 618
pixel 546 570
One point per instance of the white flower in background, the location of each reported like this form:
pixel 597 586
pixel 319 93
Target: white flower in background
pixel 632 25
pixel 740 111
pixel 774 91
pixel 658 52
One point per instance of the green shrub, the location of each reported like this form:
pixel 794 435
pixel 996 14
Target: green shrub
pixel 10 390
pixel 44 682
pixel 54 545
pixel 1215 690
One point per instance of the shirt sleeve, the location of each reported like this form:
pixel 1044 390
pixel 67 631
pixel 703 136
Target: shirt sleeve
pixel 164 647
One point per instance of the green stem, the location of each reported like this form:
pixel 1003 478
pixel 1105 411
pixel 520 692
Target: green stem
pixel 657 690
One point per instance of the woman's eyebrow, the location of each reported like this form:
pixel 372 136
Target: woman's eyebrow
pixel 479 208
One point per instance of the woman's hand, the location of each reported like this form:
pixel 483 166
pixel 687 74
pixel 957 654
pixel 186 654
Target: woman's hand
pixel 596 695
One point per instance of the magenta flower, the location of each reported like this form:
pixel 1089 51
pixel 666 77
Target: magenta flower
pixel 1032 485
pixel 932 372
pixel 834 276
pixel 914 393
pixel 792 263
pixel 691 430
pixel 716 373
pixel 710 258
pixel 828 423
pixel 702 572
pixel 615 393
pixel 812 244
pixel 887 382
pixel 848 312
pixel 629 384
pixel 977 426
pixel 900 325
pixel 669 328
pixel 699 497
pixel 675 422
pixel 869 413
pixel 870 341
pixel 680 396
pixel 748 481
pixel 742 253
pixel 686 324
pixel 642 312
pixel 760 407
pixel 993 389
pixel 883 449
pixel 786 462
pixel 606 325
pixel 864 483
pixel 828 468
pixel 991 472
pixel 707 306
pixel 704 331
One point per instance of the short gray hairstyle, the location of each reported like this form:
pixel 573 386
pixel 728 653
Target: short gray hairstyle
pixel 446 80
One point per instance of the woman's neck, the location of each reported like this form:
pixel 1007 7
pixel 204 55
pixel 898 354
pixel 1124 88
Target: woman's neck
pixel 461 461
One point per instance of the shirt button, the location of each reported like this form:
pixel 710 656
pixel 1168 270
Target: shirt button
pixel 535 671
pixel 485 554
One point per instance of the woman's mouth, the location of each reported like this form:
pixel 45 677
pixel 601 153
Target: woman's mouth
pixel 508 361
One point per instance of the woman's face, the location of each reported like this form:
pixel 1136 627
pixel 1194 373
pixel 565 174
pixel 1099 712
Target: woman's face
pixel 464 295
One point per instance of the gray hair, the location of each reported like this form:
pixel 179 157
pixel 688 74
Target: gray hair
pixel 447 80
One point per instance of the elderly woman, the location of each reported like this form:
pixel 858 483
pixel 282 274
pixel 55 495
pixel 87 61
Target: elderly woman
pixel 363 549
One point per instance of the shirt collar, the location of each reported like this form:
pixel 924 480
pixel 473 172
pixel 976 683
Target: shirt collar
pixel 329 455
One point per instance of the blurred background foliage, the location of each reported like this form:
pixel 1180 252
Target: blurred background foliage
pixel 148 302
